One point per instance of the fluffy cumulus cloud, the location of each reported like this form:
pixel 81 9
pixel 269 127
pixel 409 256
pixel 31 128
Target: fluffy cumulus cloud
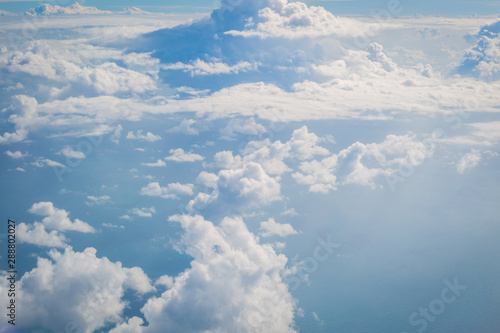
pixel 362 163
pixel 272 156
pixel 143 212
pixel 76 289
pixel 271 228
pixel 234 284
pixel 93 200
pixel 179 155
pixel 50 232
pixel 16 155
pixel 58 219
pixel 171 191
pixel 483 60
pixel 242 126
pixel 238 190
pixel 149 137
pixel 202 68
pixel 294 20
pixel 38 235
pixel 472 159
pixel 185 127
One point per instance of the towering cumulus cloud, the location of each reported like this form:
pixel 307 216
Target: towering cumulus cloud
pixel 234 285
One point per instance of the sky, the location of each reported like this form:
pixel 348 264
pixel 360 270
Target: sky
pixel 250 166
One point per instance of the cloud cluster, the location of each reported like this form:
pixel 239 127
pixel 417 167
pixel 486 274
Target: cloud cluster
pixel 271 228
pixel 362 163
pixel 76 289
pixel 171 191
pixel 56 220
pixel 295 20
pixel 237 190
pixel 179 155
pixel 233 285
pixel 483 60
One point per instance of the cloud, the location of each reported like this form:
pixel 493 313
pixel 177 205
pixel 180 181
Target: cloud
pixel 36 234
pixel 289 212
pixel 157 164
pixel 149 137
pixel 115 138
pixel 271 156
pixel 481 134
pixel 42 162
pixel 244 126
pixel 77 288
pixel 295 20
pixel 144 212
pixel 239 189
pixel 469 161
pixel 271 228
pixel 483 60
pixel 73 9
pixel 178 155
pixel 92 200
pixel 472 159
pixel 201 68
pixel 70 153
pixel 233 284
pixel 362 164
pixel 172 191
pixel 109 225
pixel 208 179
pixel 16 155
pixel 57 219
pixel 185 127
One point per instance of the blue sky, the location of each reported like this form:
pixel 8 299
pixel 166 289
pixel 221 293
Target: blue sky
pixel 251 166
pixel 352 7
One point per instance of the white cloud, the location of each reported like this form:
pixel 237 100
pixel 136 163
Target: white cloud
pixel 16 155
pixel 144 212
pixel 295 20
pixel 92 289
pixel 244 126
pixel 208 179
pixel 233 284
pixel 41 162
pixel 238 190
pixel 472 159
pixel 20 169
pixel 57 219
pixel 185 127
pixel 76 8
pixel 70 153
pixel 158 164
pixel 36 234
pixel 349 166
pixel 179 155
pixel 271 155
pixel 134 325
pixel 483 60
pixel 201 68
pixel 149 137
pixel 172 191
pixel 481 134
pixel 290 212
pixel 166 281
pixel 469 161
pixel 271 228
pixel 117 134
pixel 92 200
pixel 110 225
